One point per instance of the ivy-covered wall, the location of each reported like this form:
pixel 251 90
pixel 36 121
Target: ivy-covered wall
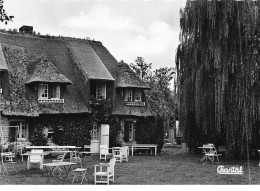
pixel 72 129
pixel 150 131
pixel 114 132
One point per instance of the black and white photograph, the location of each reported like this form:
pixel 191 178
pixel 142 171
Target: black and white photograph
pixel 125 93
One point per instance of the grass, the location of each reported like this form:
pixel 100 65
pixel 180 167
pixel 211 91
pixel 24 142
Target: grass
pixel 172 167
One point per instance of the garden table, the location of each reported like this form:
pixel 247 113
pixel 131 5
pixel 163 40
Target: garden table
pixel 30 153
pixel 52 166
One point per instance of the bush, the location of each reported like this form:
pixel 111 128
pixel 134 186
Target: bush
pixel 39 138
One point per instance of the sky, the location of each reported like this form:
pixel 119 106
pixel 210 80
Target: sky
pixel 127 28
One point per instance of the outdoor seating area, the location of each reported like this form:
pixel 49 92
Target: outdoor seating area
pixel 172 166
pixel 68 162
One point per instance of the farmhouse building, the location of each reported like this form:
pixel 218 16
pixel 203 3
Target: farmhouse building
pixel 56 85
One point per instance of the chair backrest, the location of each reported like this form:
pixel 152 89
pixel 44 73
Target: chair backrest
pixel 61 157
pixel 111 167
pixel 74 154
pixel 36 157
pixel 213 149
pixel 117 152
pixel 125 150
pixel 74 157
pixel 211 144
pixel 37 151
pixel 103 149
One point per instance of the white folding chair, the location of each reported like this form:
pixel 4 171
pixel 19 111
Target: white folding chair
pixel 125 153
pixel 117 154
pixel 79 172
pixel 57 169
pixel 212 153
pixel 105 172
pixel 7 161
pixel 35 158
pixel 74 157
pixel 104 152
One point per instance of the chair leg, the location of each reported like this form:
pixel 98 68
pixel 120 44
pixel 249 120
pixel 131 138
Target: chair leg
pixel 14 169
pixel 5 169
pixel 83 177
pixel 73 179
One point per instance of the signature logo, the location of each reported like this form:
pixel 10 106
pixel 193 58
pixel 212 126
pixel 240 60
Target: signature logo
pixel 231 170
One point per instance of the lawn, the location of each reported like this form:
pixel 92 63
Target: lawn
pixel 172 167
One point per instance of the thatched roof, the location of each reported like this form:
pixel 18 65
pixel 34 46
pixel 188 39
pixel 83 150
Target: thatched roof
pixel 3 65
pixel 108 59
pixel 125 77
pixel 86 57
pixel 19 50
pixel 66 61
pixel 45 71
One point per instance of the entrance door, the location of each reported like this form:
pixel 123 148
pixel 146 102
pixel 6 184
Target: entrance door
pixel 129 131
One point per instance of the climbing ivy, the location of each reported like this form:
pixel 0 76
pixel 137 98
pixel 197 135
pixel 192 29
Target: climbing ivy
pixel 73 129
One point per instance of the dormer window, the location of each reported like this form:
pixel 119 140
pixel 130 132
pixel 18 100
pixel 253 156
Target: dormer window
pixel 49 93
pixel 101 91
pixel 55 92
pixel 43 91
pixel 128 95
pixel 132 96
pixel 138 95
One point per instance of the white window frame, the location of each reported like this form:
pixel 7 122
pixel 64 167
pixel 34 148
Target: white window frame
pixel 46 95
pixel 138 95
pixel 43 91
pixel 22 131
pixel 55 88
pixel 95 132
pixel 128 94
pixel 100 91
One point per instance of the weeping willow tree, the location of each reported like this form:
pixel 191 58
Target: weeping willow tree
pixel 217 64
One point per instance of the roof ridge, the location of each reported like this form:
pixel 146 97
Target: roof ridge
pixel 50 37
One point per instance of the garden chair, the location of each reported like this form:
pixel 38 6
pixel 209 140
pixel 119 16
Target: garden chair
pixel 57 169
pixel 104 172
pixel 35 158
pixel 79 172
pixel 74 157
pixel 7 161
pixel 86 153
pixel 117 154
pixel 212 153
pixel 104 152
pixel 125 153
